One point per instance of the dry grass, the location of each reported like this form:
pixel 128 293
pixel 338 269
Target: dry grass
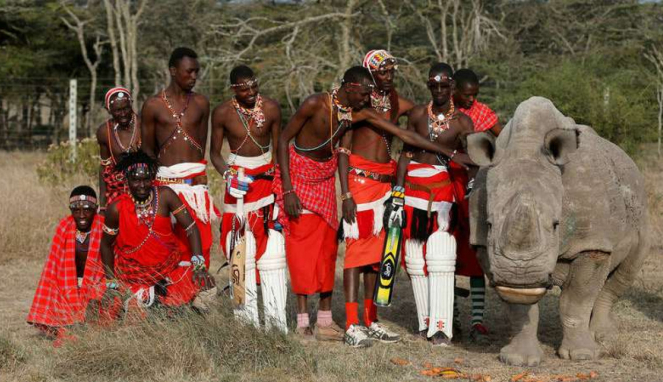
pixel 216 348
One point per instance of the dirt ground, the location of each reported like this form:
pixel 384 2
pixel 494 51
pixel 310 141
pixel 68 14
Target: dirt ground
pixel 30 210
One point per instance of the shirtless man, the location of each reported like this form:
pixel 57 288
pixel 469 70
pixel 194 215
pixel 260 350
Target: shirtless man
pixel 175 128
pixel 306 193
pixel 429 194
pixel 117 136
pixel 251 122
pixel 366 178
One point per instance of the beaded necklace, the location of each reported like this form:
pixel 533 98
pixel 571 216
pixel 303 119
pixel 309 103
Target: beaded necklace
pixel 256 114
pixel 146 210
pixel 146 213
pixel 437 124
pixel 178 121
pixel 81 236
pixel 133 135
pixel 380 102
pixel 344 113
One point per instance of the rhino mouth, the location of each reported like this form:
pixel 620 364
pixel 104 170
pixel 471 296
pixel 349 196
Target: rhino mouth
pixel 525 296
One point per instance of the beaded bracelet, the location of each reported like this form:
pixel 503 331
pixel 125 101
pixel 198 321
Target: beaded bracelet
pixel 288 192
pixel 179 209
pixel 188 229
pixel 343 150
pixel 112 284
pixel 346 196
pixel 109 230
pixel 453 154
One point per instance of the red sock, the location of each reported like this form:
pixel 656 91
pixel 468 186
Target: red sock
pixel 351 314
pixel 370 312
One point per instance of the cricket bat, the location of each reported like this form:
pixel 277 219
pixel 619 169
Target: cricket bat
pixel 384 288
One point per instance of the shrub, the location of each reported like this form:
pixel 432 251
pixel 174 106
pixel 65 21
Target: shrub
pixel 58 167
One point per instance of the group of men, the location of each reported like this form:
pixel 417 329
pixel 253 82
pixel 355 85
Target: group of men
pixel 146 240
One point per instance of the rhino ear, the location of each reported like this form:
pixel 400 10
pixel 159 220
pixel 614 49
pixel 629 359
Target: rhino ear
pixel 560 144
pixel 481 148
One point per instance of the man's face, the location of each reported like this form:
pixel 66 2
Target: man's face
pixel 384 76
pixel 440 85
pixel 359 95
pixel 185 73
pixel 140 184
pixel 465 95
pixel 121 111
pixel 83 213
pixel 247 91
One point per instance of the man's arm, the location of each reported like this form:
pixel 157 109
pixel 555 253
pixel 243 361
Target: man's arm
pixel 111 221
pixel 291 202
pixel 349 205
pixel 276 129
pixel 181 214
pixel 104 153
pixel 204 121
pixel 218 130
pixel 148 127
pixel 496 129
pixel 407 136
pixel 405 106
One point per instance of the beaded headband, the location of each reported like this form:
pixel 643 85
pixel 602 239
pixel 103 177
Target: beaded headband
pixel 82 198
pixel 248 83
pixel 138 169
pixel 121 94
pixel 377 58
pixel 439 78
pixel 357 84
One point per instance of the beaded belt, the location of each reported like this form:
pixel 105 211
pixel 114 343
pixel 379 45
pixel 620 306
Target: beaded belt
pixel 382 178
pixel 200 179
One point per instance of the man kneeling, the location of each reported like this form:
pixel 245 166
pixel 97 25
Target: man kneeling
pixel 139 249
pixel 73 274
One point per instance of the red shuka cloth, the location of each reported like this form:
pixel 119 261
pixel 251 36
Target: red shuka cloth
pixel 311 249
pixel 144 257
pixel 481 115
pixel 466 259
pixel 367 249
pixel 58 300
pixel 315 185
pixel 114 180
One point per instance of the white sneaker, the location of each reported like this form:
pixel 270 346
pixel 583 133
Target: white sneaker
pixel 381 333
pixel 357 337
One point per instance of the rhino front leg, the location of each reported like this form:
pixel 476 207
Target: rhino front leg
pixel 524 349
pixel 586 277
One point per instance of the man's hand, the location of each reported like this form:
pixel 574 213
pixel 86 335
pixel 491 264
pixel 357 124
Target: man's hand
pixel 293 207
pixel 394 211
pixel 203 279
pixel 349 210
pixel 236 187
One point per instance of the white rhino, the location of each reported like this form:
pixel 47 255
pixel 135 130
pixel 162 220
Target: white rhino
pixel 555 204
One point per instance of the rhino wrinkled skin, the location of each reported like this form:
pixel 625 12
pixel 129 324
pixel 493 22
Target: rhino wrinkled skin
pixel 555 204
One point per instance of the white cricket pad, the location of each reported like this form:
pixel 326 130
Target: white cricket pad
pixel 414 263
pixel 273 278
pixel 441 262
pixel 249 312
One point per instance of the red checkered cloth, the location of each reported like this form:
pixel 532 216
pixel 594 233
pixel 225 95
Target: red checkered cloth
pixel 58 300
pixel 314 184
pixel 481 115
pixel 114 180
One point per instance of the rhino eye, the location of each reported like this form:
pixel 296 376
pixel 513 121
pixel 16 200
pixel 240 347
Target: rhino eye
pixel 555 225
pixel 489 224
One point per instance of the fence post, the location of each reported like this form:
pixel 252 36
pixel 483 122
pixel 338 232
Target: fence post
pixel 72 118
